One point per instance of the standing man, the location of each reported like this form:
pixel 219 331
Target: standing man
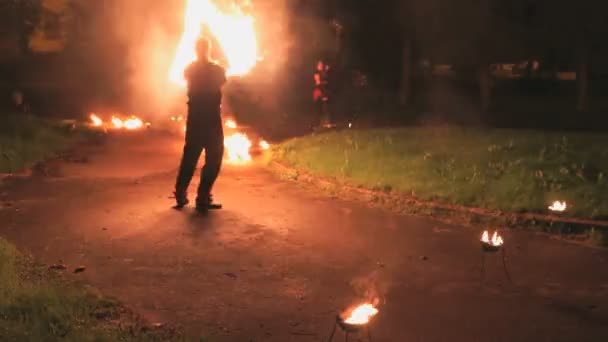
pixel 203 129
pixel 321 93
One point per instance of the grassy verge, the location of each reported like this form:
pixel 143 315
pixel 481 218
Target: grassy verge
pixel 38 306
pixel 25 140
pixel 508 170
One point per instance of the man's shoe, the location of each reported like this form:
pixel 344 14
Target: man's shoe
pixel 181 200
pixel 211 205
pixel 202 205
pixel 205 203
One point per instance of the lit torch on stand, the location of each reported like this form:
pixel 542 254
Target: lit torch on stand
pixel 355 321
pixel 493 246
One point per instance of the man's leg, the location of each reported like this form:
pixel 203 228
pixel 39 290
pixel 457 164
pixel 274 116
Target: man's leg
pixel 192 152
pixel 214 153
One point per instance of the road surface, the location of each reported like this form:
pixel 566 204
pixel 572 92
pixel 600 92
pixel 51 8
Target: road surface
pixel 281 259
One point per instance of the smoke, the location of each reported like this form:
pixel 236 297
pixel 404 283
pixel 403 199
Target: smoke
pixel 150 31
pixel 372 287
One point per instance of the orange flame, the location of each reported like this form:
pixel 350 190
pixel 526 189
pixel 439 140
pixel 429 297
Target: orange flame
pixel 361 314
pixel 96 120
pixel 118 123
pixel 231 124
pixel 237 148
pixel 234 32
pixel 133 123
pixel 264 145
pixel 496 240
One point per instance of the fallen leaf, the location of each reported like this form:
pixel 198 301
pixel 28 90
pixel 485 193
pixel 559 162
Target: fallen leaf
pixel 231 275
pixel 58 267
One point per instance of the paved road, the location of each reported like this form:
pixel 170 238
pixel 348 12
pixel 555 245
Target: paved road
pixel 280 260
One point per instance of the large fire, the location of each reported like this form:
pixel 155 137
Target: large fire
pixel 361 314
pixel 233 31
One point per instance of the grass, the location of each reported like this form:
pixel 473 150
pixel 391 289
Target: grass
pixel 37 306
pixel 509 170
pixel 26 140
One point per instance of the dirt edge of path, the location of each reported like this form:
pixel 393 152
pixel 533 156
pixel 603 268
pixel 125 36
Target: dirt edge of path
pixel 572 229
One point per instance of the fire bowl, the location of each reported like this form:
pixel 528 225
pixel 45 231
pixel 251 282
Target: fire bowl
pixel 490 248
pixel 349 328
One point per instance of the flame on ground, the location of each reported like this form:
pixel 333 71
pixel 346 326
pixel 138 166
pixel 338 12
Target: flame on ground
pixel 496 240
pixel 264 145
pixel 96 120
pixel 558 206
pixel 233 31
pixel 231 124
pixel 361 314
pixel 237 148
pixel 118 123
pixel 131 123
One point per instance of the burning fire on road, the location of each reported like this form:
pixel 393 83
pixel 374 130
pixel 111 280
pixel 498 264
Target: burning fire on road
pixel 237 148
pixel 96 120
pixel 230 124
pixel 131 123
pixel 264 145
pixel 238 145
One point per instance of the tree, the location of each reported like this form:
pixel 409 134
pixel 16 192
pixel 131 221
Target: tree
pixel 574 33
pixel 52 30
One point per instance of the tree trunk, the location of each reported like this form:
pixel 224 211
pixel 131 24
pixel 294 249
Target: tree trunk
pixel 582 77
pixel 485 87
pixel 406 73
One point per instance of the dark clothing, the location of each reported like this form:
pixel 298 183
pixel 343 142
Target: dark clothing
pixel 321 94
pixel 205 81
pixel 203 128
pixel 321 90
pixel 213 144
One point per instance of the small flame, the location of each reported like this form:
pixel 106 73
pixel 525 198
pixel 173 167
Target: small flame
pixel 231 124
pixel 361 314
pixel 118 123
pixel 558 206
pixel 264 145
pixel 133 123
pixel 237 148
pixel 496 240
pixel 96 120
